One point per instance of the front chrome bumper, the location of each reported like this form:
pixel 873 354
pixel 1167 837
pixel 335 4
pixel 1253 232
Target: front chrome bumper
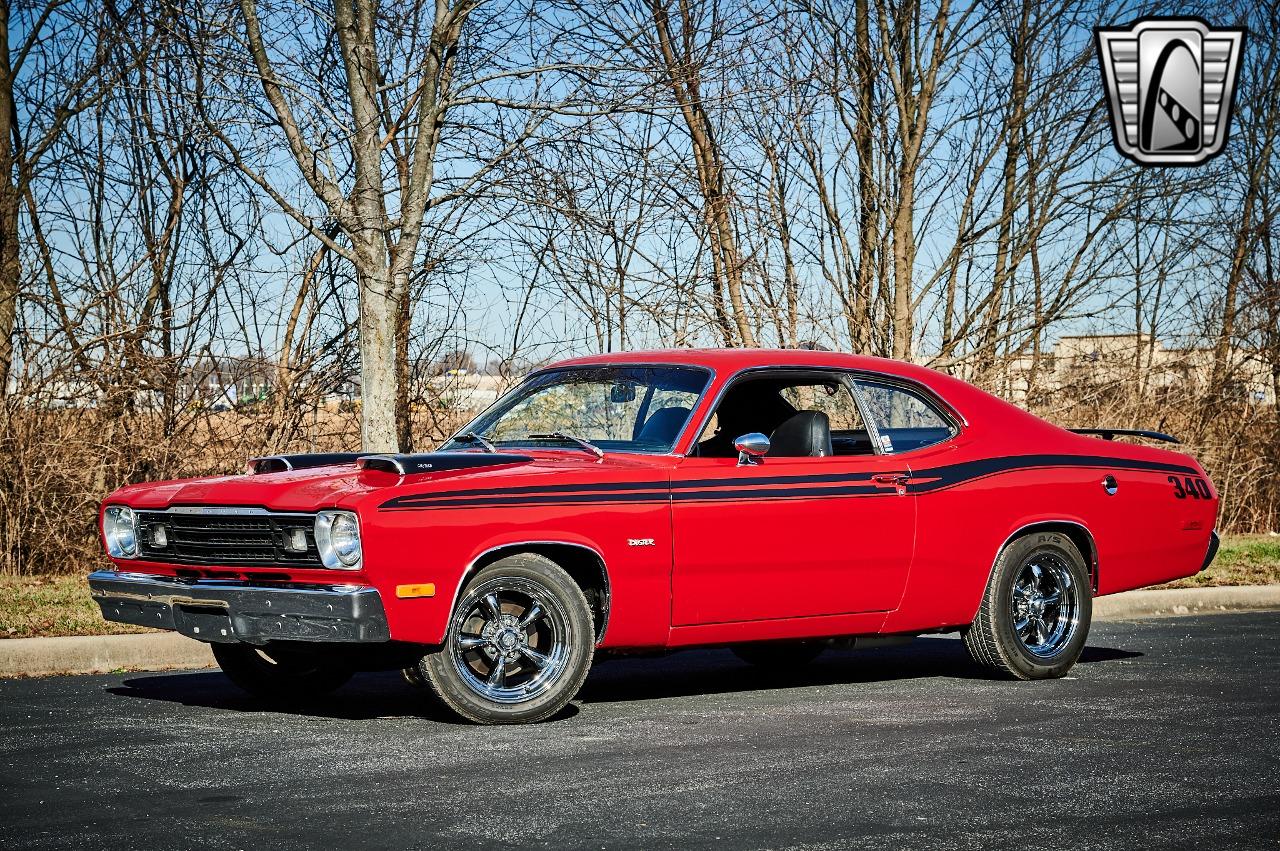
pixel 228 612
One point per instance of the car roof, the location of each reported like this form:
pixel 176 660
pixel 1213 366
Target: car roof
pixel 725 361
pixel 983 415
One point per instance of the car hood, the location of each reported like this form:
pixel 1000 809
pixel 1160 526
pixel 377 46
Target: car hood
pixel 346 486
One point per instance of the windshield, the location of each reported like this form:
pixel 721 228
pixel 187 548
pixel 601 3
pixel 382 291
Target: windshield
pixel 615 408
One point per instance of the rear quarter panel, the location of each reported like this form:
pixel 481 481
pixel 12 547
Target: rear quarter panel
pixel 1008 470
pixel 1142 535
pixel 1146 534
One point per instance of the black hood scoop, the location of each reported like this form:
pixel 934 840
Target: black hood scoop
pixel 437 462
pixel 284 463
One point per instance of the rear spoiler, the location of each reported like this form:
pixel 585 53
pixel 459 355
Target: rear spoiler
pixel 1110 433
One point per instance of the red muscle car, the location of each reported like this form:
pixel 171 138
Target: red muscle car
pixel 770 501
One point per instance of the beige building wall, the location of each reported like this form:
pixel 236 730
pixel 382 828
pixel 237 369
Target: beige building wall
pixel 1101 359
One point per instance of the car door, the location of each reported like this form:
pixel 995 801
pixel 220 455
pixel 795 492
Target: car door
pixel 792 537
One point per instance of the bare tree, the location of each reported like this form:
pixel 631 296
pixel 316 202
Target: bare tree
pixel 46 79
pixel 381 243
pixel 915 58
pixel 1262 114
pixel 226 227
pixel 365 123
pixel 683 50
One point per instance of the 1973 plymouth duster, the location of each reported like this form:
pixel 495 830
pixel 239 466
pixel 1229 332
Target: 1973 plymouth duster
pixel 770 501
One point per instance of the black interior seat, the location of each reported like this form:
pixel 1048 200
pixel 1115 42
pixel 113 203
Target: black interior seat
pixel 806 434
pixel 663 425
pixel 751 405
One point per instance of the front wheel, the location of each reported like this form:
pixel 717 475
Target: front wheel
pixel 1036 610
pixel 280 674
pixel 519 644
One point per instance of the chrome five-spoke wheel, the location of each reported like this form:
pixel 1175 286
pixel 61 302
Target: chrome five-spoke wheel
pixel 1043 604
pixel 1034 617
pixel 519 645
pixel 508 641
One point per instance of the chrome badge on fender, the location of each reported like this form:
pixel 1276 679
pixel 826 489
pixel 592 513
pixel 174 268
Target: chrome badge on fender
pixel 1171 84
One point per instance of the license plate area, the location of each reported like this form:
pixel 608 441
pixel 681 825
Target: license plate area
pixel 203 622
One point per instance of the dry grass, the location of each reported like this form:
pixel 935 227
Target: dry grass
pixel 43 606
pixel 1242 560
pixel 57 464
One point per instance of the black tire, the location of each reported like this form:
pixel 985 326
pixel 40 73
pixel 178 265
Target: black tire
pixel 278 674
pixel 779 656
pixel 1031 637
pixel 544 661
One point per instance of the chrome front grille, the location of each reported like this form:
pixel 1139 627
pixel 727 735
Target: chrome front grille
pixel 257 539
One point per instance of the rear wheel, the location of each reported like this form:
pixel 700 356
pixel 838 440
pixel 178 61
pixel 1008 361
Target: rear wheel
pixel 1035 613
pixel 519 645
pixel 779 655
pixel 280 674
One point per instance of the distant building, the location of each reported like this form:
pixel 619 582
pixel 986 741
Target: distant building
pixel 1083 361
pixel 467 391
pixel 221 384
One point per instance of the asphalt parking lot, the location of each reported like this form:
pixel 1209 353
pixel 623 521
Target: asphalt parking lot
pixel 1167 735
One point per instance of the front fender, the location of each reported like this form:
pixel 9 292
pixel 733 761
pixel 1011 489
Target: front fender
pixel 443 546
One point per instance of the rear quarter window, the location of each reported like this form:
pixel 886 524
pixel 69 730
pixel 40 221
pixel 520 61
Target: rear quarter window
pixel 904 419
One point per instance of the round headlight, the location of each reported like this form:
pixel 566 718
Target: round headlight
pixel 338 539
pixel 119 531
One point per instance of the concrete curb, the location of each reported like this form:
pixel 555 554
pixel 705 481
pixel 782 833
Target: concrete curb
pixel 100 654
pixel 1167 602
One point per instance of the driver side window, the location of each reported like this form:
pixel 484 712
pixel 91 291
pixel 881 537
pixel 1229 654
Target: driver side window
pixel 831 398
pixel 807 414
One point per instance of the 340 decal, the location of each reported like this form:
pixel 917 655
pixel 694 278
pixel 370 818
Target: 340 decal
pixel 1190 486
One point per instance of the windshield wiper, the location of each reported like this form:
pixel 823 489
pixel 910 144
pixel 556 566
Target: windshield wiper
pixel 472 437
pixel 582 444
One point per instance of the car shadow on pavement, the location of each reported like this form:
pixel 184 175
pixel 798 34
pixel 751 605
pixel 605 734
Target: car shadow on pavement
pixel 719 671
pixel 366 697
pixel 617 679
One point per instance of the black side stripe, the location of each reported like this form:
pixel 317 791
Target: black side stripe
pixel 747 495
pixel 661 485
pixel 762 487
pixel 939 478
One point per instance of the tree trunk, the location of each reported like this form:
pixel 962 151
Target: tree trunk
pixel 1008 202
pixel 686 86
pixel 10 265
pixel 378 315
pixel 10 277
pixel 904 259
pixel 868 197
pixel 404 408
pixel 1244 241
pixel 379 304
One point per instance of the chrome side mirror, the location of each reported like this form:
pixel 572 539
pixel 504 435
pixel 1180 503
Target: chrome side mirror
pixel 751 447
